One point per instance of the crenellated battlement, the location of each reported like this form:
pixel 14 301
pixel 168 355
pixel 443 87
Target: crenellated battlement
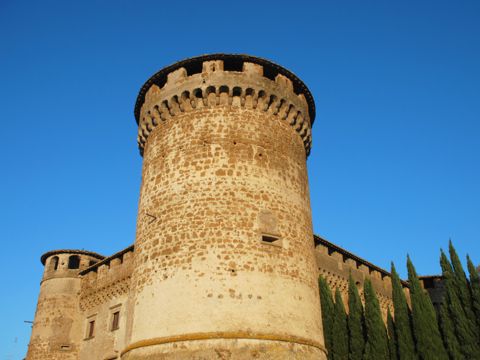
pixel 336 264
pixel 106 279
pixel 67 262
pixel 233 81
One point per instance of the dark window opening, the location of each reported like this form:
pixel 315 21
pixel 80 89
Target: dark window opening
pixel 115 320
pixel 91 329
pixel 74 262
pixel 54 262
pixel 270 239
pixel 91 262
pixel 65 347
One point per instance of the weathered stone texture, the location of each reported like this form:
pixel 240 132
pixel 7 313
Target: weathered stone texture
pixel 218 173
pixel 57 329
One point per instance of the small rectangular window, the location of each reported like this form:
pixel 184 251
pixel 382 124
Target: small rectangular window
pixel 91 329
pixel 272 240
pixel 115 320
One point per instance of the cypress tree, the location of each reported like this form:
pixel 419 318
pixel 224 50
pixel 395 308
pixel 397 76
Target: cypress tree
pixel 356 322
pixel 403 321
pixel 475 289
pixel 392 342
pixel 463 291
pixel 448 334
pixel 462 325
pixel 424 320
pixel 376 347
pixel 340 332
pixel 326 302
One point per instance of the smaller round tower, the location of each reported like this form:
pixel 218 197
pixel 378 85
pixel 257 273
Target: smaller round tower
pixel 57 329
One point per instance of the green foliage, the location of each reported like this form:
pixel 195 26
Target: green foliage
pixel 376 347
pixel 464 326
pixel 424 320
pixel 340 332
pixel 326 301
pixel 403 321
pixel 475 289
pixel 448 334
pixel 463 291
pixel 415 333
pixel 392 342
pixel 356 322
pixel 461 282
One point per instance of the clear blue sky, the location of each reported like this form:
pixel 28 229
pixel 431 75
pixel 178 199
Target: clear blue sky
pixel 395 162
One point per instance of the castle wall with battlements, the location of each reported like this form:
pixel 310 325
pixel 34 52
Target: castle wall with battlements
pixel 103 290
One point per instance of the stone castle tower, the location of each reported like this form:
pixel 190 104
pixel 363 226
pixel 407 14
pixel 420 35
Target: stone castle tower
pixel 57 329
pixel 224 258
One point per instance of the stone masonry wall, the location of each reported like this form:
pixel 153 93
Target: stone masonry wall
pixel 104 292
pixel 336 265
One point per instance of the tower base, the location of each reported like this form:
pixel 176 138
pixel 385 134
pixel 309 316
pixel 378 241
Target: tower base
pixel 225 349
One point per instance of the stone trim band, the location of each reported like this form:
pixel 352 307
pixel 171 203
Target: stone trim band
pixel 237 335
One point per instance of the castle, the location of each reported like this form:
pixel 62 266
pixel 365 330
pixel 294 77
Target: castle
pixel 225 263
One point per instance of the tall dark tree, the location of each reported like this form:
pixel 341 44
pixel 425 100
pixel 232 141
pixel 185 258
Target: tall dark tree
pixel 424 320
pixel 340 331
pixel 461 323
pixel 392 342
pixel 448 333
pixel 356 322
pixel 376 347
pixel 475 288
pixel 326 302
pixel 402 319
pixel 463 289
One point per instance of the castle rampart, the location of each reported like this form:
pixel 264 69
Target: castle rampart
pixel 105 285
pixel 336 264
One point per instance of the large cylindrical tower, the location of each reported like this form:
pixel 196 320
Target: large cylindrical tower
pixel 57 327
pixel 224 252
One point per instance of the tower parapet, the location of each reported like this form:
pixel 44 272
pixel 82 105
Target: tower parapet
pixel 225 80
pixel 224 261
pixel 57 327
